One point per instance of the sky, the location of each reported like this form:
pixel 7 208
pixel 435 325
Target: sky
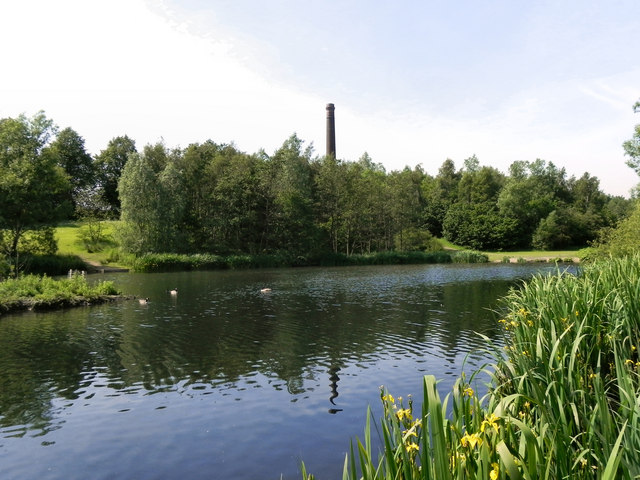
pixel 413 82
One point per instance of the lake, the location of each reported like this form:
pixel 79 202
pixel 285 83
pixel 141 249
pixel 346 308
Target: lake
pixel 223 381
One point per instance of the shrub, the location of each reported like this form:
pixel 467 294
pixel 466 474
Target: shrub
pixel 52 264
pixel 469 256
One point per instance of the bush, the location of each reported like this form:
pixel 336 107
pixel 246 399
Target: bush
pixel 621 241
pixel 415 239
pixel 52 264
pixel 469 256
pixel 34 291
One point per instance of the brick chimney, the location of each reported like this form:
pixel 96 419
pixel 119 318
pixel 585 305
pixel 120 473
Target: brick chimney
pixel 331 131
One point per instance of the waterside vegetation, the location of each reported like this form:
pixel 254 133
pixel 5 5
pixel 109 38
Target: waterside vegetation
pixel 215 199
pixel 34 292
pixel 563 396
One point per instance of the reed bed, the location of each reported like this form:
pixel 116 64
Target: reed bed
pixel 563 401
pixel 169 262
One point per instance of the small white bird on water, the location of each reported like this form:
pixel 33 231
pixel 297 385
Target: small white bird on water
pixel 143 301
pixel 265 290
pixel 174 291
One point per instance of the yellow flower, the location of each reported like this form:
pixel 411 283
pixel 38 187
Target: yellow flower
pixel 409 433
pixel 468 392
pixel 471 440
pixel 491 421
pixel 388 398
pixel 493 474
pixel 577 313
pixel 403 413
pixel 629 362
pixel 411 447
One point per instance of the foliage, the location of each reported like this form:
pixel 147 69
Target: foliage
pixel 41 291
pixel 479 226
pixel 152 206
pixel 620 241
pixel 469 256
pixel 412 239
pixel 215 199
pixel 562 401
pixel 109 165
pixel 632 146
pixel 93 235
pixel 167 262
pixel 52 264
pixel 33 188
pixel 70 153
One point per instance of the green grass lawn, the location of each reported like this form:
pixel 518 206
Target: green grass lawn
pixel 528 255
pixel 70 243
pixel 533 255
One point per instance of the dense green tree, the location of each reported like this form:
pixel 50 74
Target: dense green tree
pixel 235 195
pixel 623 240
pixel 439 194
pixel 531 192
pixel 479 226
pixel 109 164
pixel 293 228
pixel 70 153
pixel 197 193
pixel 407 203
pixel 330 185
pixel 33 188
pixel 152 204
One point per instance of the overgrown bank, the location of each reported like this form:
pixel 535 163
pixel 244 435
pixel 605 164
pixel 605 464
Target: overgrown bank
pixel 563 401
pixel 31 292
pixel 176 262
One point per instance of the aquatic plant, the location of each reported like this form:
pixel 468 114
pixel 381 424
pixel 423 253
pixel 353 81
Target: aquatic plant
pixel 562 402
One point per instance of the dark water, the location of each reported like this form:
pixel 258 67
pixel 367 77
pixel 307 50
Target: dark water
pixel 223 381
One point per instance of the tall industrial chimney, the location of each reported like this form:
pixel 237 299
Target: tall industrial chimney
pixel 331 131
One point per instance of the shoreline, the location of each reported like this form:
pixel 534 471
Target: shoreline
pixel 28 304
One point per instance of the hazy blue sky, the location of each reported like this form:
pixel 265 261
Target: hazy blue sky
pixel 413 82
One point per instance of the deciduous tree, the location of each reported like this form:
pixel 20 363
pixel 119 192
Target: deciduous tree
pixel 33 188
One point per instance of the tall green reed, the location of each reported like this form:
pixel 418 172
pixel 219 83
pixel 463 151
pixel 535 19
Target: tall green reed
pixel 563 401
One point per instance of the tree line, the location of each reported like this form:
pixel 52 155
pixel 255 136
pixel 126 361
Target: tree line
pixel 214 198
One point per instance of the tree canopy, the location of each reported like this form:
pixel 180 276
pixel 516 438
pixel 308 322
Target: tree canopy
pixel 214 198
pixel 34 189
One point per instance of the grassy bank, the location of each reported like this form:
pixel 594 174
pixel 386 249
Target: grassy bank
pixel 32 292
pixel 175 262
pixel 95 245
pixel 563 401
